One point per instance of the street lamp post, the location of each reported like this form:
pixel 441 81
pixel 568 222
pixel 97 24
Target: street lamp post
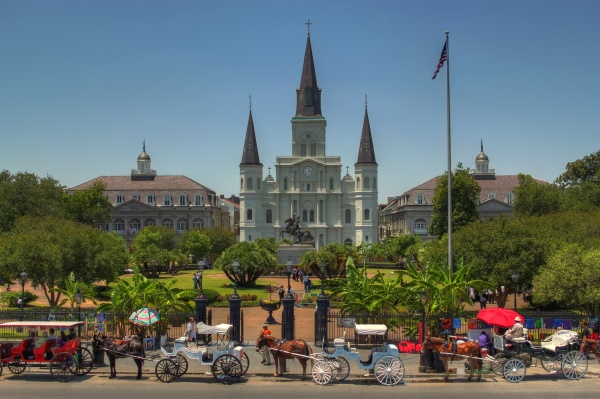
pixel 235 267
pixel 23 279
pixel 235 305
pixel 322 309
pixel 78 300
pixel 424 300
pixel 201 267
pixel 515 279
pixel 153 263
pixel 288 269
pixel 287 316
pixel 201 301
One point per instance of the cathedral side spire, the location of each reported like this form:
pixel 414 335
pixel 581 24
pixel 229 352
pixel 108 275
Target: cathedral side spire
pixel 308 95
pixel 366 151
pixel 250 152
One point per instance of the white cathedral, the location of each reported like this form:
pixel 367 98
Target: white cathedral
pixel 309 183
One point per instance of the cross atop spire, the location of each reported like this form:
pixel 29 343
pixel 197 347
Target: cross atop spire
pixel 250 96
pixel 308 24
pixel 366 106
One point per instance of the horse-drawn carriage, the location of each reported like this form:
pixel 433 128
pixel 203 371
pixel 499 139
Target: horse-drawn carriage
pixel 64 362
pixel 558 352
pixel 226 359
pixel 383 359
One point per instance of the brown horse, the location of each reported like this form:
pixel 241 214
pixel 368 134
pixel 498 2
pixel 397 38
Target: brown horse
pixel 130 346
pixel 590 346
pixel 466 350
pixel 295 349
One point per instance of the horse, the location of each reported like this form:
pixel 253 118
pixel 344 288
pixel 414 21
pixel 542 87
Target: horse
pixel 590 346
pixel 468 350
pixel 130 346
pixel 280 349
pixel 291 227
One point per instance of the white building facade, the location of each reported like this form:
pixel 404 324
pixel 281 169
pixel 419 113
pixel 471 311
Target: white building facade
pixel 309 183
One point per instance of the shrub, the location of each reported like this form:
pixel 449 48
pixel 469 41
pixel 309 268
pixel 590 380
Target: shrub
pixel 11 299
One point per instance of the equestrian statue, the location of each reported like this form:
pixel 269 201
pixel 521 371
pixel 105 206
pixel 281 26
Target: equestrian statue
pixel 293 228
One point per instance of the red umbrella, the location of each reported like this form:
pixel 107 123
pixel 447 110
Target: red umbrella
pixel 500 317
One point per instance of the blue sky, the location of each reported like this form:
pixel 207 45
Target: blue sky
pixel 83 83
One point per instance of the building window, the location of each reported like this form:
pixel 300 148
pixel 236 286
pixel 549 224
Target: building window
pixel 358 183
pixel 183 200
pixel 241 183
pixel 197 223
pixel 150 222
pixel 320 211
pixel 119 225
pixel 491 196
pixel 134 225
pixel 269 216
pixel 120 199
pixel 367 183
pixel 198 200
pixel 150 199
pixel 304 215
pixel 249 215
pixel 331 184
pixel 167 223
pixel 420 224
pixel 285 184
pixel 348 216
pixel 135 197
pixel 103 226
pixel 307 186
pixel 421 199
pixel 182 225
pixel 249 184
pixel 303 149
pixel 348 242
pixel 167 200
pixel 510 198
pixel 313 149
pixel 311 215
pixel 308 96
pixel 367 214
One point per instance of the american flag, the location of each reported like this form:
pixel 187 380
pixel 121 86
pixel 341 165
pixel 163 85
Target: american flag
pixel 443 58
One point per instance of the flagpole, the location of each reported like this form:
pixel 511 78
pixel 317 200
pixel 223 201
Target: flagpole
pixel 450 265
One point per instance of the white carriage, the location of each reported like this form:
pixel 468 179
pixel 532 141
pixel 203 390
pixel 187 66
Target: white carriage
pixel 226 360
pixel 558 352
pixel 384 359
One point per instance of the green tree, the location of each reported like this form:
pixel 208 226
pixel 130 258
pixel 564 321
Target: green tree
pixel 580 171
pixel 89 206
pixel 534 198
pixel 72 287
pixel 465 199
pixel 220 240
pixel 254 259
pixel 335 257
pixel 396 248
pixel 50 249
pixel 195 242
pixel 25 193
pixel 572 279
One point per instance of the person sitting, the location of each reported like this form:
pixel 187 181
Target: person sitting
pixel 62 339
pixel 72 333
pixel 484 340
pixel 516 331
pixel 52 335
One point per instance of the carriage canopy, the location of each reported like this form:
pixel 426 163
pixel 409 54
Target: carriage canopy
pixel 50 324
pixel 205 329
pixel 371 329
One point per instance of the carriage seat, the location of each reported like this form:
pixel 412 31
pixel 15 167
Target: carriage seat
pixel 44 352
pixel 339 342
pixel 70 346
pixel 23 346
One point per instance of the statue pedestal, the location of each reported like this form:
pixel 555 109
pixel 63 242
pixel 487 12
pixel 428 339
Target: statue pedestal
pixel 292 252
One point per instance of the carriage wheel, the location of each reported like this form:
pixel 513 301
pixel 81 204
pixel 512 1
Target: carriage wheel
pixel 574 365
pixel 321 372
pixel 17 367
pixel 340 368
pixel 514 369
pixel 498 365
pixel 227 369
pixel 552 365
pixel 165 370
pixel 86 362
pixel 181 365
pixel 389 370
pixel 245 360
pixel 63 367
pixel 1 368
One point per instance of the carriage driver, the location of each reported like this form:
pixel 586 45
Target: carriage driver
pixel 266 352
pixel 516 330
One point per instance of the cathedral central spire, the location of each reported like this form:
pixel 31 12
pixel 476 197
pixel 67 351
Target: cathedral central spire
pixel 308 95
pixel 250 153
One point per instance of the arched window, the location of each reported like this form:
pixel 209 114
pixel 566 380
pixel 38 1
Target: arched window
pixel 249 215
pixel 241 183
pixel 420 224
pixel 119 225
pixel 150 222
pixel 249 184
pixel 303 149
pixel 304 215
pixel 367 183
pixel 285 184
pixel 308 96
pixel 348 242
pixel 313 148
pixel 358 183
pixel 167 223
pixel 367 214
pixel 331 184
pixel 134 225
pixel 182 225
pixel 348 216
pixel 311 215
pixel 269 216
pixel 197 223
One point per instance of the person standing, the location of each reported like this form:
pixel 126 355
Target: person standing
pixel 305 281
pixel 482 300
pixel 191 330
pixel 266 351
pixel 281 294
pixel 196 279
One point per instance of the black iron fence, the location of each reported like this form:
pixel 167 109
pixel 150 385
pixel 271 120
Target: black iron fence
pixel 406 326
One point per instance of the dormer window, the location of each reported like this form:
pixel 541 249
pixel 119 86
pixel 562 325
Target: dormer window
pixel 421 199
pixel 150 199
pixel 120 199
pixel 198 200
pixel 183 200
pixel 167 200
